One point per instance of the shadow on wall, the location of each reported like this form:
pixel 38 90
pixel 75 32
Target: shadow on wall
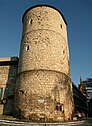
pixel 8 71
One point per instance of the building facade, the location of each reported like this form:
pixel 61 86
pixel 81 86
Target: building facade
pixel 8 75
pixel 37 86
pixel 44 88
pixel 80 101
pixel 86 86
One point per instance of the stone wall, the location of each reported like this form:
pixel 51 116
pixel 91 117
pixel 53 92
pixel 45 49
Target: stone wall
pixel 43 88
pixel 39 89
pixel 8 74
pixel 47 50
pixel 44 42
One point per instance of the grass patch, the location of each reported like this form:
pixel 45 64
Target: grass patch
pixel 7 117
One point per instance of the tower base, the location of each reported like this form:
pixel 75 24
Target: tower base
pixel 43 95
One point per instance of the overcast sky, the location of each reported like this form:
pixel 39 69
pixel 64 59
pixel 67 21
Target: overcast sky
pixel 78 14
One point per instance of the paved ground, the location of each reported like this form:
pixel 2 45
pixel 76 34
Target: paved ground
pixel 86 122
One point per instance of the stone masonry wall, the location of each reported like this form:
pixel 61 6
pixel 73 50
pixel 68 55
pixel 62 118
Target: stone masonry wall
pixel 8 75
pixel 47 50
pixel 43 88
pixel 37 88
pixel 44 33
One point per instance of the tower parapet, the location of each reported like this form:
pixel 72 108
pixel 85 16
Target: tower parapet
pixel 43 86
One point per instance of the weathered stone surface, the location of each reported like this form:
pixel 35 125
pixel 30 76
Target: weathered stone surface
pixel 45 18
pixel 43 88
pixel 37 88
pixel 8 74
pixel 47 41
pixel 47 50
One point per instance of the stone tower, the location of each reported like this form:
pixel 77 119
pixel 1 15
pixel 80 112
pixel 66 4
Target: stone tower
pixel 44 89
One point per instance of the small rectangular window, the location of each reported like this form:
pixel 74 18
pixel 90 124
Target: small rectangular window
pixel 61 25
pixel 59 107
pixel 6 92
pixel 1 90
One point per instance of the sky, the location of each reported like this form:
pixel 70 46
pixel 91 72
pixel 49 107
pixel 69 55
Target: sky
pixel 78 14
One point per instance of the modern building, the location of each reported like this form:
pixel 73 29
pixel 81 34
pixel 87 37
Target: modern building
pixel 86 86
pixel 80 101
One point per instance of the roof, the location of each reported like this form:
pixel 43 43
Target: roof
pixel 8 61
pixel 45 5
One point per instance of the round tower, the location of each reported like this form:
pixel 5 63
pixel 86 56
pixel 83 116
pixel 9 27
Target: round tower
pixel 44 89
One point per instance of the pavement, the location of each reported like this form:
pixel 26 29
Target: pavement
pixel 85 122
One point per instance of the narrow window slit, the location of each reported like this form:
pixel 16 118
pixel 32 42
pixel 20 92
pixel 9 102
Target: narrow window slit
pixel 30 21
pixel 61 25
pixel 63 51
pixel 27 47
